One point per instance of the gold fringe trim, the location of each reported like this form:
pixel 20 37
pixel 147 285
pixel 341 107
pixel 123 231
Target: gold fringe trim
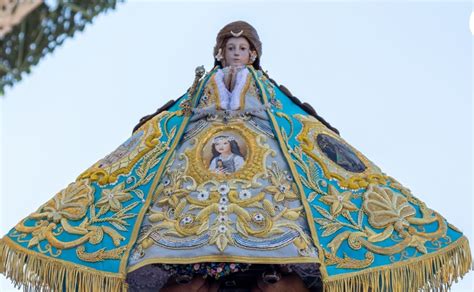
pixel 36 272
pixel 431 272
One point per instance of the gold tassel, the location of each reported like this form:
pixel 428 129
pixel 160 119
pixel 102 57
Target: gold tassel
pixel 432 272
pixel 36 272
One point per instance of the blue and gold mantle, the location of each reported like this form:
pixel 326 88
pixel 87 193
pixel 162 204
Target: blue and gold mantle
pixel 370 231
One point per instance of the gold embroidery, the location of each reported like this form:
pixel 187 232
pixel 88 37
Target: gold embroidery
pixel 385 210
pixel 198 169
pixel 29 269
pixel 124 159
pixel 310 129
pixel 111 198
pixel 338 201
pixel 282 139
pixel 281 188
pixel 99 255
pixel 288 119
pixel 268 85
pixel 184 213
pixel 214 91
pixel 208 97
pixel 171 146
pixel 252 90
pixel 72 203
pixel 347 262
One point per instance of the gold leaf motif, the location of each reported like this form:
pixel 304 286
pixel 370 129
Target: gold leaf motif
pixel 312 196
pixel 99 255
pixel 221 242
pixel 73 229
pixel 324 213
pixel 275 231
pixel 331 228
pixel 34 241
pixel 241 228
pixel 418 242
pixel 180 208
pixel 322 221
pixel 377 237
pixel 156 217
pixel 118 226
pixel 116 237
pixel 70 203
pixel 300 243
pixel 292 215
pixel 384 207
pixel 268 206
pixel 281 188
pixel 204 226
pixel 346 262
pixel 239 211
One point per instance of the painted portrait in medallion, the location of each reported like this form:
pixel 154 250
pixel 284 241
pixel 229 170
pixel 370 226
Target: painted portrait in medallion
pixel 340 153
pixel 225 153
pixel 123 150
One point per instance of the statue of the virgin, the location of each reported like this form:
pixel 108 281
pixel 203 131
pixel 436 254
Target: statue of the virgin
pixel 235 186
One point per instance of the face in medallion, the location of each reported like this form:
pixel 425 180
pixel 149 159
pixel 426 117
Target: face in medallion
pixel 226 155
pixel 222 145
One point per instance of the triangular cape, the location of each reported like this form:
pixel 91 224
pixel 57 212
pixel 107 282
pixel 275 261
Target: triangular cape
pixel 371 231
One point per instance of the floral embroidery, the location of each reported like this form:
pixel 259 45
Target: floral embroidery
pixel 338 201
pixel 384 207
pixel 281 187
pixel 70 203
pixel 112 198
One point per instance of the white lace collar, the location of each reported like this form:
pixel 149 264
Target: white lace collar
pixel 231 100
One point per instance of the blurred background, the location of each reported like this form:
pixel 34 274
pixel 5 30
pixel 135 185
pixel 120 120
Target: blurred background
pixel 394 77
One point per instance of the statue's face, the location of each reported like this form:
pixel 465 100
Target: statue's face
pixel 237 51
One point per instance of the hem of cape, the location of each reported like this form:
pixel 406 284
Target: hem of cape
pixel 222 258
pixel 28 268
pixel 453 262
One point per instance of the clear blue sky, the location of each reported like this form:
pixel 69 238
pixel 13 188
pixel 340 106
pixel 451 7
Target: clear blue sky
pixel 394 78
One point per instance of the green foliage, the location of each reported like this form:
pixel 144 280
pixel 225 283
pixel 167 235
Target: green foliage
pixel 41 31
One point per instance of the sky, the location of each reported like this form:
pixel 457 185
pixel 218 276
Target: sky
pixel 394 77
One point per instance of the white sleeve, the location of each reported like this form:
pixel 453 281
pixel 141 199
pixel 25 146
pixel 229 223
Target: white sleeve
pixel 238 161
pixel 212 166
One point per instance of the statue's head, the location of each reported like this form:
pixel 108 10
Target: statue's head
pixel 238 43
